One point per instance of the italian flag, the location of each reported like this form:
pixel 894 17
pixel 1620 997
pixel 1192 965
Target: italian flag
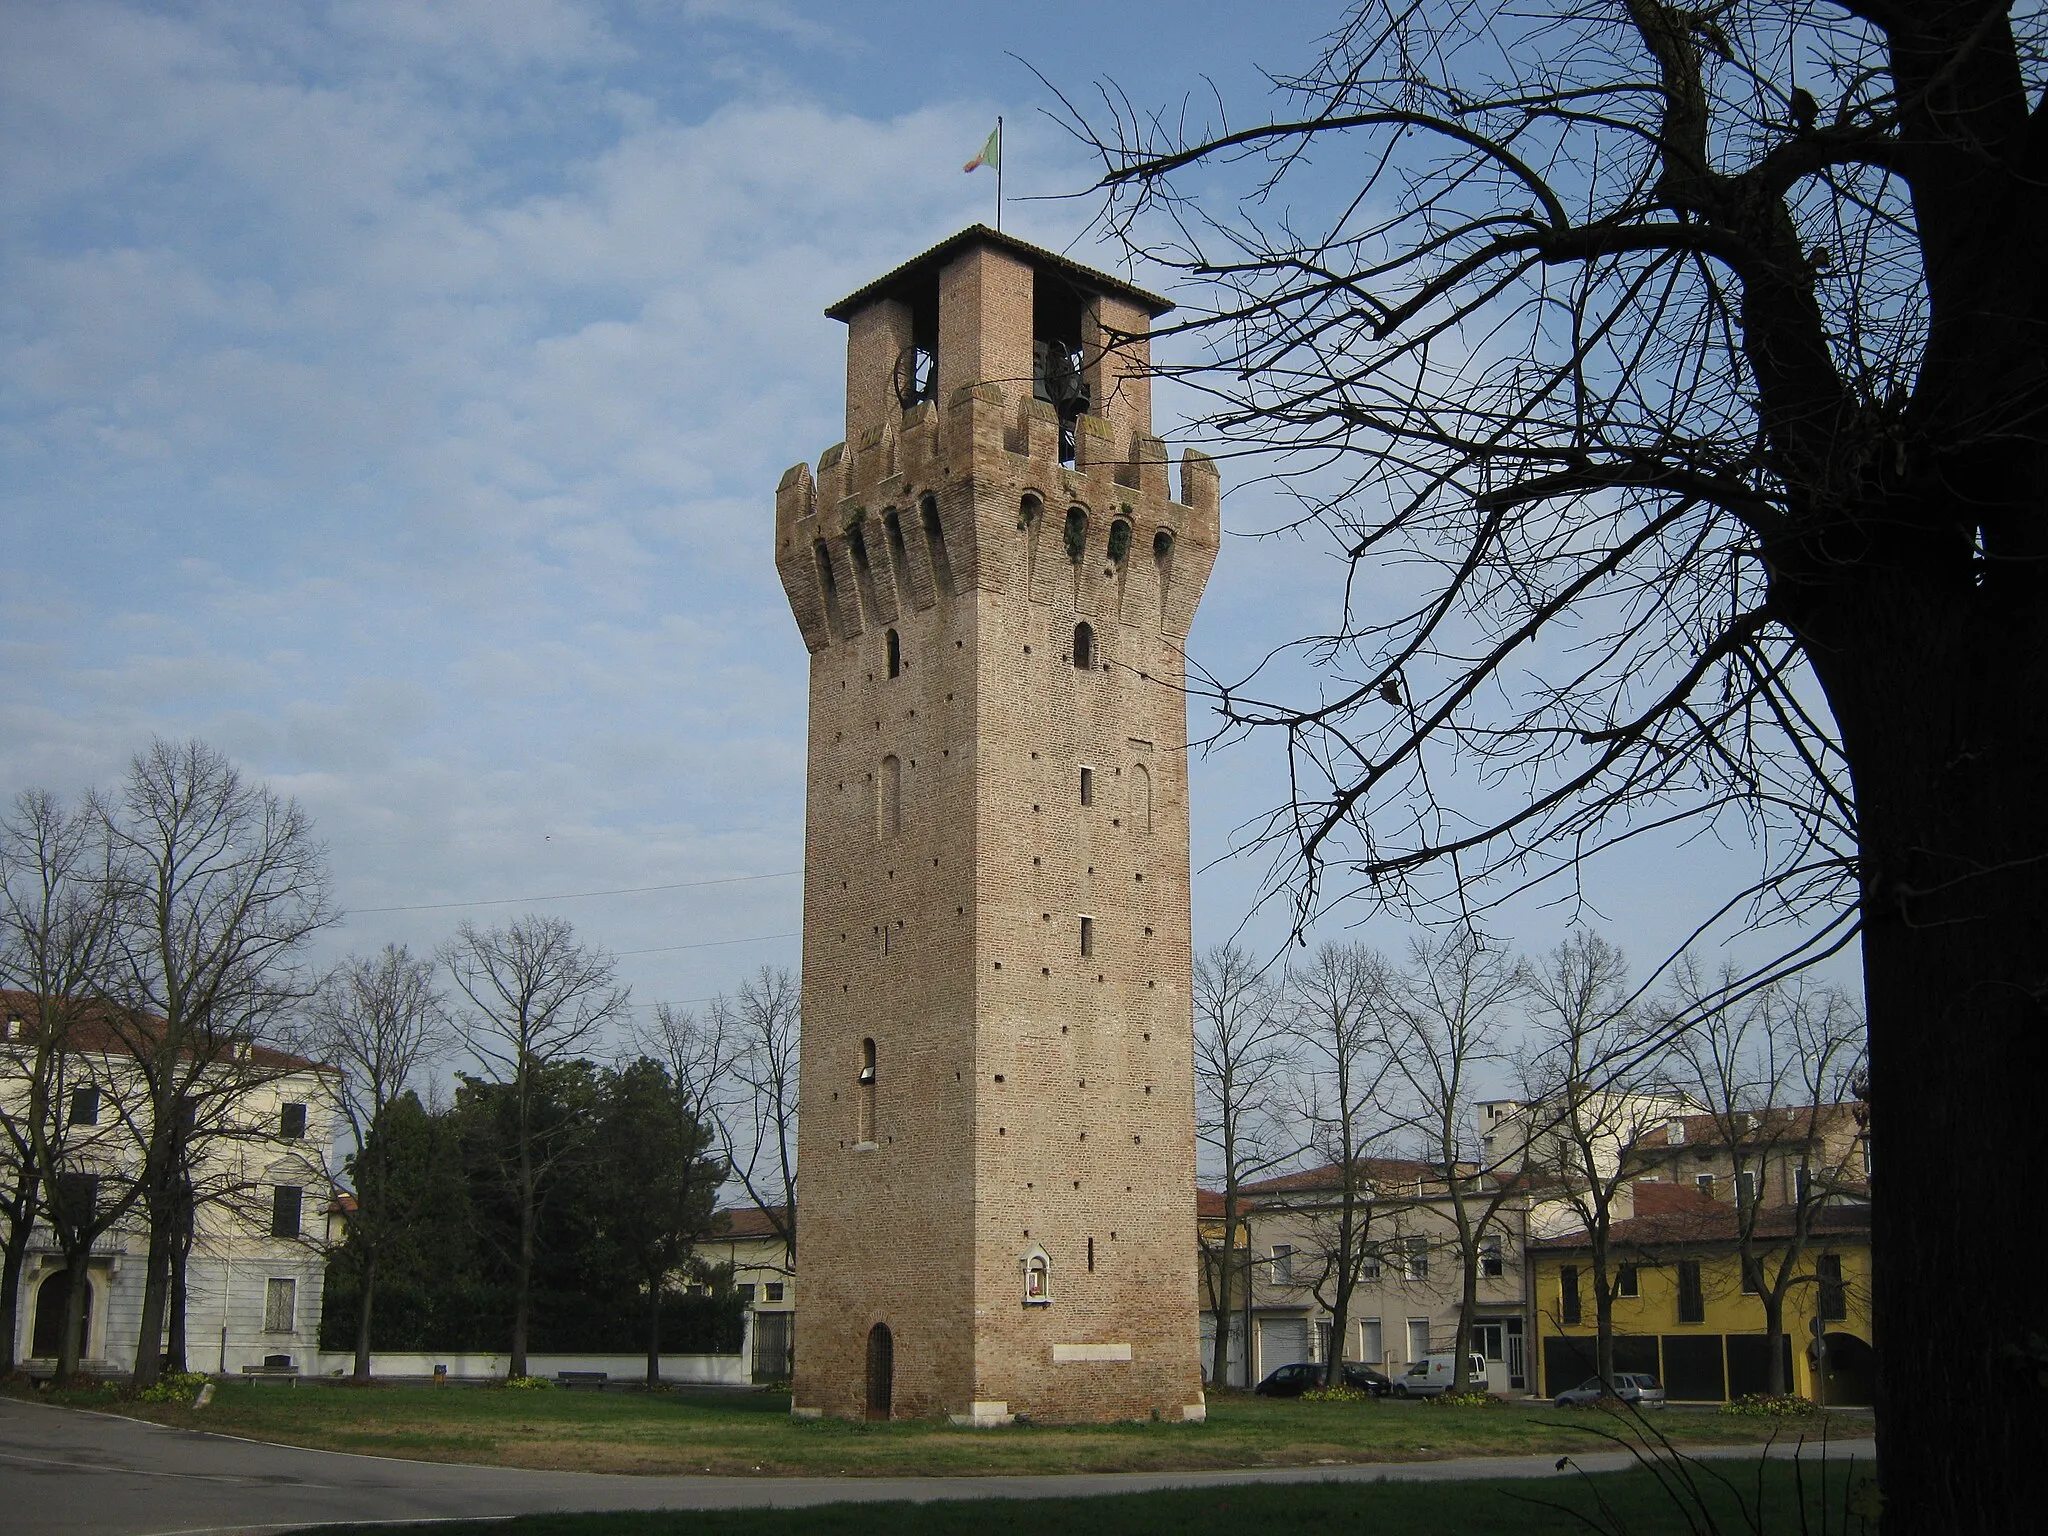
pixel 991 152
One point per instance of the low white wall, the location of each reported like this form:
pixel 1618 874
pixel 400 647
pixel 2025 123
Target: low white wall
pixel 682 1370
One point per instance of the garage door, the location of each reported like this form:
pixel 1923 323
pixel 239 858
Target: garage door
pixel 1282 1341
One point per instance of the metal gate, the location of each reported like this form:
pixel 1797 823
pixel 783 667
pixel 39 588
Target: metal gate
pixel 774 1346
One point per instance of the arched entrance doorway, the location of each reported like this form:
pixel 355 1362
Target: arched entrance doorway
pixel 47 1340
pixel 881 1371
pixel 1849 1379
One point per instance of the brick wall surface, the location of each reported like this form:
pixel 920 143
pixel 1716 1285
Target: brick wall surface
pixel 1027 1099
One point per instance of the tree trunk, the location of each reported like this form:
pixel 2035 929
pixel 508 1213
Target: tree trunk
pixel 363 1306
pixel 1603 1320
pixel 654 1330
pixel 181 1256
pixel 522 1302
pixel 1468 1308
pixel 1942 696
pixel 71 1346
pixel 149 1332
pixel 1774 1330
pixel 13 1258
pixel 1219 1364
pixel 1349 1241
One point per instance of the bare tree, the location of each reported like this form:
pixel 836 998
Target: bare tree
pixel 1699 354
pixel 1338 1017
pixel 1596 1084
pixel 1776 1070
pixel 378 1020
pixel 700 1055
pixel 735 1070
pixel 219 884
pixel 1445 1032
pixel 56 935
pixel 537 997
pixel 1241 1068
pixel 757 1123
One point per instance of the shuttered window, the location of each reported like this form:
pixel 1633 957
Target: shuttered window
pixel 285 1203
pixel 280 1306
pixel 1692 1302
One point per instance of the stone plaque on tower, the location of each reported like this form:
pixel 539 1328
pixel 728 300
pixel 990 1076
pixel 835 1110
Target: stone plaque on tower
pixel 994 580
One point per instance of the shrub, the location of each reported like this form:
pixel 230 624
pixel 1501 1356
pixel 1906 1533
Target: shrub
pixel 1471 1397
pixel 1337 1394
pixel 528 1384
pixel 174 1387
pixel 1768 1405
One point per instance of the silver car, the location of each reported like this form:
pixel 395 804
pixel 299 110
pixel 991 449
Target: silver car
pixel 1628 1387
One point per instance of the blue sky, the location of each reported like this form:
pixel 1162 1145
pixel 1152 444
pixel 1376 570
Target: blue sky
pixel 395 391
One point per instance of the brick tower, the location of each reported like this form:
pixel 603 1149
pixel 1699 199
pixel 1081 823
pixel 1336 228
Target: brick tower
pixel 994 582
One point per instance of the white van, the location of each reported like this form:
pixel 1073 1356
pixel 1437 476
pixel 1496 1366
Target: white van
pixel 1432 1374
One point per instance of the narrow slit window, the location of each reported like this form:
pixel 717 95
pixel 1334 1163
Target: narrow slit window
pixel 866 1096
pixel 1087 786
pixel 935 543
pixel 1030 518
pixel 1087 937
pixel 895 654
pixel 1091 1255
pixel 1084 647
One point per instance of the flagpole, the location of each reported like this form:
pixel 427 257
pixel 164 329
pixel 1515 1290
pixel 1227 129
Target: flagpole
pixel 999 174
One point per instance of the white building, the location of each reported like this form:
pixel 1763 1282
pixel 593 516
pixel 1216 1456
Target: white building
pixel 264 1183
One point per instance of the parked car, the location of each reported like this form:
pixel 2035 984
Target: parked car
pixel 1432 1374
pixel 1630 1387
pixel 1305 1375
pixel 1364 1378
pixel 1291 1380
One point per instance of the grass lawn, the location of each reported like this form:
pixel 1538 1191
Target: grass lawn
pixel 1755 1501
pixel 751 1433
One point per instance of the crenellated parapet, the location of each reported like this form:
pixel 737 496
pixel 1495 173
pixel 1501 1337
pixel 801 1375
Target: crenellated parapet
pixel 978 496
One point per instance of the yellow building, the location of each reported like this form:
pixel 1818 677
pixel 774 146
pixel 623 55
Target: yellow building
pixel 1686 1313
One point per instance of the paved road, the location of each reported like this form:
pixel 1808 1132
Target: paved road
pixel 70 1473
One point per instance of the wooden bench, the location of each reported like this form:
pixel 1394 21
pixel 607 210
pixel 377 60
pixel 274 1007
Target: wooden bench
pixel 583 1381
pixel 288 1374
